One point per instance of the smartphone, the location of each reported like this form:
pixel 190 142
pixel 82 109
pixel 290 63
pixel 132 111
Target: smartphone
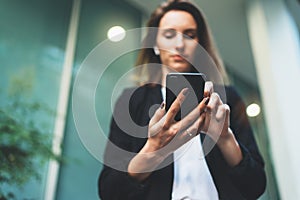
pixel 175 82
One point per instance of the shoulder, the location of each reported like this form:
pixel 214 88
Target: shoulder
pixel 227 93
pixel 139 92
pixel 135 103
pixel 230 96
pixel 137 96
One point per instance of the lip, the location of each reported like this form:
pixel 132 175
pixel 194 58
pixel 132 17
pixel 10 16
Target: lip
pixel 178 57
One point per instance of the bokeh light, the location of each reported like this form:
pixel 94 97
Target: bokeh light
pixel 116 33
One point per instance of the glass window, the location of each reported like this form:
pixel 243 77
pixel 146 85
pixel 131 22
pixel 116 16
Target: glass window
pixel 32 49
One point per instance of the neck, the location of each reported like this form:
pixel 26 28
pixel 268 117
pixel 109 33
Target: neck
pixel 164 73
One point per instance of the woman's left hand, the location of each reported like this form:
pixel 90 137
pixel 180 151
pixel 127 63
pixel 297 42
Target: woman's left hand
pixel 217 115
pixel 217 126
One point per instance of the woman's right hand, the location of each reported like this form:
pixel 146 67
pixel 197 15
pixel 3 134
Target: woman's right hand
pixel 165 135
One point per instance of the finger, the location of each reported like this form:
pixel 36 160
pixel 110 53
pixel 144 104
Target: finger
pixel 200 123
pixel 197 125
pixel 175 107
pixel 222 112
pixel 194 114
pixel 213 103
pixel 222 117
pixel 206 123
pixel 159 113
pixel 208 88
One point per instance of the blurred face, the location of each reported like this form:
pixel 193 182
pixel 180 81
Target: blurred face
pixel 177 39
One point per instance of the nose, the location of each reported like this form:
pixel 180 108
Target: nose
pixel 179 43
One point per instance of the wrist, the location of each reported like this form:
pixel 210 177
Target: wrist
pixel 144 162
pixel 152 153
pixel 230 148
pixel 226 138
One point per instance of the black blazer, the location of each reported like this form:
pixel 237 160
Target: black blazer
pixel 247 180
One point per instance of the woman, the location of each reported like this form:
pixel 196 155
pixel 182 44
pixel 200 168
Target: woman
pixel 165 161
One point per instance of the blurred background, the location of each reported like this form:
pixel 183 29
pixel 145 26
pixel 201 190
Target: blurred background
pixel 43 43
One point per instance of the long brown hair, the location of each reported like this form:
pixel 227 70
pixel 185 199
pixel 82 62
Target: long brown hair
pixel 147 55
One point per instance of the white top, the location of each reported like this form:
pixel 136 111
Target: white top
pixel 192 178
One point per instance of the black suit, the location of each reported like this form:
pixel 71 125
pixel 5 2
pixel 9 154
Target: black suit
pixel 245 181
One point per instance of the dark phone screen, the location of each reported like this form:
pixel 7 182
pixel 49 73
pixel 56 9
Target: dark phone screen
pixel 176 82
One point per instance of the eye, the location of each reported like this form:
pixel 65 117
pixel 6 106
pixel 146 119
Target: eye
pixel 190 34
pixel 169 34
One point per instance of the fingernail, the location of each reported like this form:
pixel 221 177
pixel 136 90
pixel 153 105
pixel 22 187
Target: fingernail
pixel 205 94
pixel 185 91
pixel 206 101
pixel 162 105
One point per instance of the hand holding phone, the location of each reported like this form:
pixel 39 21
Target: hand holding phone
pixel 175 82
